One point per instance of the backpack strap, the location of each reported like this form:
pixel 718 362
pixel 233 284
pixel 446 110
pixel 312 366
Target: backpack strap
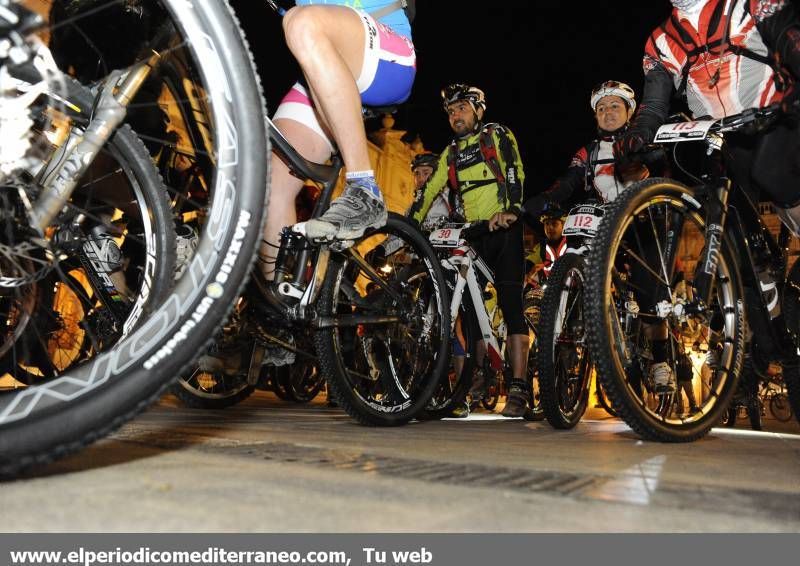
pixel 691 54
pixel 489 153
pixel 456 200
pixel 723 45
pixel 592 151
pixel 452 174
pixel 508 180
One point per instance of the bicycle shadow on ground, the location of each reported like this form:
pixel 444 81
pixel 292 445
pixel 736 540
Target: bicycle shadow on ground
pixel 132 443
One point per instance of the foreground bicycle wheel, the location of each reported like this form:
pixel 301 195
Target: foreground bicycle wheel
pixel 563 357
pixel 630 273
pixel 384 336
pixel 63 412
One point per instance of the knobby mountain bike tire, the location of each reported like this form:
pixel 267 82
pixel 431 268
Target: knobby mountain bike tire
pixel 41 422
pixel 72 319
pixel 534 412
pixel 658 208
pixel 779 407
pixel 564 390
pixel 385 373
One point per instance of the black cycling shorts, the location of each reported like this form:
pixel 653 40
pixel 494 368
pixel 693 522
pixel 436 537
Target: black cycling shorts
pixel 504 253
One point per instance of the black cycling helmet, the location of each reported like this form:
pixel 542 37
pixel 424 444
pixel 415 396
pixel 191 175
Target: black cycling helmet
pixel 553 211
pixel 425 159
pixel 455 92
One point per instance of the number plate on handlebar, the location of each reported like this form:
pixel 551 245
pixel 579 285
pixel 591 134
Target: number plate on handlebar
pixel 583 221
pixel 446 237
pixel 683 131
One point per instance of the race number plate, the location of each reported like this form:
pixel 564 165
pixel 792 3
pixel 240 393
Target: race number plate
pixel 446 237
pixel 683 131
pixel 583 221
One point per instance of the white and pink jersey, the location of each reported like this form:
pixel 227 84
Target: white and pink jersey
pixel 387 72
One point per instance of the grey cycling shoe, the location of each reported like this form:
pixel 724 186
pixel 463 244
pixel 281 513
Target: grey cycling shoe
pixel 349 216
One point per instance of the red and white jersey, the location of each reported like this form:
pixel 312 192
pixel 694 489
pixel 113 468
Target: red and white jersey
pixel 603 177
pixel 721 80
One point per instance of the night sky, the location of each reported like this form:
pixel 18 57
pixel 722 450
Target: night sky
pixel 561 49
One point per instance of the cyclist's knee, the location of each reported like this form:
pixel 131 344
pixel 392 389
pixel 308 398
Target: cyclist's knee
pixel 302 24
pixel 509 296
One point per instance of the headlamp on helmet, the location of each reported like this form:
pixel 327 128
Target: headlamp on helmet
pixel 613 88
pixel 455 92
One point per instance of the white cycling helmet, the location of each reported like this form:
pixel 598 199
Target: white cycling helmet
pixel 686 4
pixel 613 88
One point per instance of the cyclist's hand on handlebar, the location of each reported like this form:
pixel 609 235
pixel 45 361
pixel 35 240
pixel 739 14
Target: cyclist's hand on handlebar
pixel 630 143
pixel 630 172
pixel 502 220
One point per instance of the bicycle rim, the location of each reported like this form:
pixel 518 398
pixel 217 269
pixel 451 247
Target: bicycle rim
pixel 627 267
pixel 385 374
pixel 564 368
pixel 101 394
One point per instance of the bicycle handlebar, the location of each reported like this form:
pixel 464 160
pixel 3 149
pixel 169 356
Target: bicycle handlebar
pixel 751 116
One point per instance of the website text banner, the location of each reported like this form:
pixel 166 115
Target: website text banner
pixel 392 549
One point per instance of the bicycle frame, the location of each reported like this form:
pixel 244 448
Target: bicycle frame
pixel 730 212
pixel 465 263
pixel 294 299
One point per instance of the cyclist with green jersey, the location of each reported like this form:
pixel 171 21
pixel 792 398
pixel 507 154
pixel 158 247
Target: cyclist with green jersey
pixel 482 167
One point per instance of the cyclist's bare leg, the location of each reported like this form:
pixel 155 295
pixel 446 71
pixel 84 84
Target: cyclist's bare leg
pixel 328 43
pixel 285 187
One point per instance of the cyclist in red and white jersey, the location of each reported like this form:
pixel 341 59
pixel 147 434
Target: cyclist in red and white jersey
pixel 592 174
pixel 726 56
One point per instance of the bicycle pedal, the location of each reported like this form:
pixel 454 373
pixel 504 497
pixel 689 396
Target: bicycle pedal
pixel 341 245
pixel 334 244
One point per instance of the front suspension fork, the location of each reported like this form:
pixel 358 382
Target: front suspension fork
pixel 716 215
pixel 73 159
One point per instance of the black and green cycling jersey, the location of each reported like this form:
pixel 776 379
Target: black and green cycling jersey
pixel 487 169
